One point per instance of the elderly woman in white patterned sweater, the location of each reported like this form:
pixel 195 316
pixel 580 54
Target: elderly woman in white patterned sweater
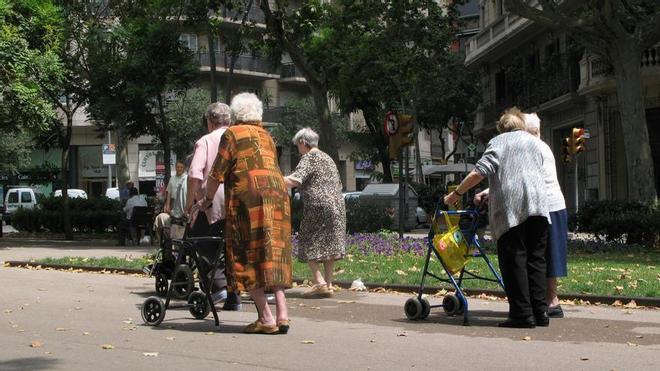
pixel 556 253
pixel 518 217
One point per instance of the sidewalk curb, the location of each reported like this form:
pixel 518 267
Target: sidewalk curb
pixel 640 301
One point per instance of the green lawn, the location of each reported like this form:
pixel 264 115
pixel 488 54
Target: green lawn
pixel 601 273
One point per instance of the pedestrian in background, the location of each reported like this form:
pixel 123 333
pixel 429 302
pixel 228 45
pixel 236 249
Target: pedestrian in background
pixel 556 252
pixel 258 223
pixel 209 221
pixel 322 236
pixel 518 216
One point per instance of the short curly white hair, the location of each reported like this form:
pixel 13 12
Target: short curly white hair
pixel 533 123
pixel 307 137
pixel 246 107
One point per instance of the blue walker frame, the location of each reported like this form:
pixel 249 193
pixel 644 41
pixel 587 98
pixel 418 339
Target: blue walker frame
pixel 418 307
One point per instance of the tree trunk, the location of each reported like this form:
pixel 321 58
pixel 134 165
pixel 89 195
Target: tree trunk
pixel 212 64
pixel 66 144
pixel 235 52
pixel 164 137
pixel 123 174
pixel 626 60
pixel 327 140
pixel 373 124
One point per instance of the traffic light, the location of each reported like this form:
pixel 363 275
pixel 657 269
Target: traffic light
pixel 578 140
pixel 566 149
pixel 406 130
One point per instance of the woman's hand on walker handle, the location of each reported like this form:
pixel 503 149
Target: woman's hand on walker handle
pixel 452 199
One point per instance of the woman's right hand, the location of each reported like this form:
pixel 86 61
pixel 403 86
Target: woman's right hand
pixel 481 197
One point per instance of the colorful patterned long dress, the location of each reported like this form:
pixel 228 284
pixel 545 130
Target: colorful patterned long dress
pixel 258 223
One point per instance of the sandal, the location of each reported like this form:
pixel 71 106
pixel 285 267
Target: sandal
pixel 283 326
pixel 257 327
pixel 317 291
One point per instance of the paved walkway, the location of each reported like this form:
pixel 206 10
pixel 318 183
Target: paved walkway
pixel 69 316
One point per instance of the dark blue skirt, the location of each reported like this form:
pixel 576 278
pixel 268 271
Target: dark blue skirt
pixel 557 238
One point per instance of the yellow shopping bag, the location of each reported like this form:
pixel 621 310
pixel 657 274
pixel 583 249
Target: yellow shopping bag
pixel 451 246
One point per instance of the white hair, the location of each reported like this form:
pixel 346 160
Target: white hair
pixel 306 136
pixel 218 114
pixel 533 123
pixel 246 107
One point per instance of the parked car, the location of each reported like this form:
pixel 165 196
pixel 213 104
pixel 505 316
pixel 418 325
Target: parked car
pixel 112 193
pixel 19 197
pixel 420 215
pixel 73 193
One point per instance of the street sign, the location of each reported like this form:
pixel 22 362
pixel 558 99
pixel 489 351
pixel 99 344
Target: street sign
pixel 391 124
pixel 109 154
pixel 471 147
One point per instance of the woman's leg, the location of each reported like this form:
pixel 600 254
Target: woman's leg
pixel 328 267
pixel 316 273
pixel 281 309
pixel 551 293
pixel 263 310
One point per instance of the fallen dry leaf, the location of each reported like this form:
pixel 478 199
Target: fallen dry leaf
pixel 584 358
pixel 85 333
pixel 61 329
pixel 49 353
pixel 631 344
pixel 639 337
pixel 7 311
pixel 617 303
pixel 170 338
pixel 345 301
pixel 150 354
pixel 308 342
pixel 35 344
pixel 631 304
pixel 401 273
pixel 527 338
pixel 209 333
pixel 402 334
pixel 107 346
pixel 318 308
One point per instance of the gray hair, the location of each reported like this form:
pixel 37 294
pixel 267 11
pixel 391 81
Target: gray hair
pixel 218 114
pixel 306 136
pixel 533 123
pixel 246 107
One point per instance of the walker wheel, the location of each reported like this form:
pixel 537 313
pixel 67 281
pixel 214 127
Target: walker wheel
pixel 413 308
pixel 199 305
pixel 183 281
pixel 161 284
pixel 426 308
pixel 153 311
pixel 452 305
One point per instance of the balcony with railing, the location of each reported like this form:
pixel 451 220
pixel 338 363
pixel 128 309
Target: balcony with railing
pixel 245 64
pixel 597 74
pixel 493 35
pixel 290 73
pixel 538 89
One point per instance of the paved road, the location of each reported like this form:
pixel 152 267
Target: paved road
pixel 72 315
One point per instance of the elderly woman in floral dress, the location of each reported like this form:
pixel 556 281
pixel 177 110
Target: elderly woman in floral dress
pixel 322 237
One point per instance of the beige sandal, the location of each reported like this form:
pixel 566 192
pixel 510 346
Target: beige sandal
pixel 257 327
pixel 318 291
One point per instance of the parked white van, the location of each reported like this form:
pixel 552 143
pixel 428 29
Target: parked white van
pixel 73 193
pixel 17 198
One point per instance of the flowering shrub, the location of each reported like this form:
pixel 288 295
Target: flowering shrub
pixel 382 243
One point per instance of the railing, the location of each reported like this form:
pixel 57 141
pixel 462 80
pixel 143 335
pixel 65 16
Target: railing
pixel 290 70
pixel 595 70
pixel 651 56
pixel 243 62
pixel 494 31
pixel 254 14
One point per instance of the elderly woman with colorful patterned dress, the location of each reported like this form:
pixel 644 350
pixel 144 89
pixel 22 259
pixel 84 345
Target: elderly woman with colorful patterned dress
pixel 322 237
pixel 258 213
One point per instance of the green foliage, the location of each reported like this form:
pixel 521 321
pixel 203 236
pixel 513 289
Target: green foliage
pixel 30 33
pixel 298 114
pixel 184 116
pixel 632 222
pixel 87 215
pixel 363 217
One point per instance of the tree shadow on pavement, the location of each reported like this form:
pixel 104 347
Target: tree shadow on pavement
pixel 31 363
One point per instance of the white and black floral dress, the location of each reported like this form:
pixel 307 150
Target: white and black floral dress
pixel 323 227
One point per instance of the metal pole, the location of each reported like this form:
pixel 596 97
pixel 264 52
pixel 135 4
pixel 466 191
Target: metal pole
pixel 401 199
pixel 109 166
pixel 577 199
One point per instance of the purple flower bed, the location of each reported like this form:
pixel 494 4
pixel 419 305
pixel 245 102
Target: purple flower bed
pixel 378 243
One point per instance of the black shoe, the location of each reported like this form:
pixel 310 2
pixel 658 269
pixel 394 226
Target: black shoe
pixel 555 312
pixel 233 302
pixel 542 320
pixel 517 323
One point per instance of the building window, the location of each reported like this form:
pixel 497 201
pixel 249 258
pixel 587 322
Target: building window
pixel 189 41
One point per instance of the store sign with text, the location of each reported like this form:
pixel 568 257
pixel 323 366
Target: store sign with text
pixel 149 160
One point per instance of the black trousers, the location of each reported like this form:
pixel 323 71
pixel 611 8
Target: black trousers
pixel 521 253
pixel 208 250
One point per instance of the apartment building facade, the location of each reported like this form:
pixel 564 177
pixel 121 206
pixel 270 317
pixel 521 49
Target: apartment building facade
pixel 541 70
